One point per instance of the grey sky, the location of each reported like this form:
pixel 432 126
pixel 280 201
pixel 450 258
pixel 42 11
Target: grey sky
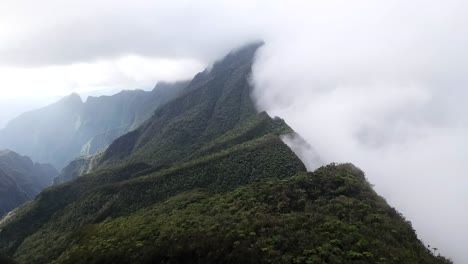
pixel 378 83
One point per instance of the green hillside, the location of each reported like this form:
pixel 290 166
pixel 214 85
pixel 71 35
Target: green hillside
pixel 329 216
pixel 69 128
pixel 216 101
pixel 21 179
pixel 40 231
pixel 207 179
pixel 213 103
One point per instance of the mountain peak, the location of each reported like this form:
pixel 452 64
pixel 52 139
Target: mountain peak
pixel 73 98
pixel 21 179
pixel 214 103
pixel 241 56
pixel 5 152
pixel 208 157
pixel 249 48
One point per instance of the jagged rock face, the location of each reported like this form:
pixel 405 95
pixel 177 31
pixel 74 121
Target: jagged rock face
pixel 62 131
pixel 21 179
pixel 78 167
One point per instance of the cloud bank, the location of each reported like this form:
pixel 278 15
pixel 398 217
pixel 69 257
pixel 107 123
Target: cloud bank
pixel 381 84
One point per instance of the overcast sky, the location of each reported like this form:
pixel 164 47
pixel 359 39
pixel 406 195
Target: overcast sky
pixel 381 84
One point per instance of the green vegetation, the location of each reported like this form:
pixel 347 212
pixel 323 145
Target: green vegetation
pixel 258 125
pixel 69 128
pixel 215 103
pixel 208 180
pixel 40 231
pixel 6 260
pixel 329 216
pixel 21 179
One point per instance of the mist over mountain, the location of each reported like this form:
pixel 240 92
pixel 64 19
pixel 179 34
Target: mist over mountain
pixel 381 84
pixel 69 128
pixel 214 108
pixel 208 179
pixel 21 179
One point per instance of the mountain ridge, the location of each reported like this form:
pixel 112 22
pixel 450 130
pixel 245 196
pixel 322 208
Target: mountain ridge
pixel 209 179
pixel 21 179
pixel 213 95
pixel 71 127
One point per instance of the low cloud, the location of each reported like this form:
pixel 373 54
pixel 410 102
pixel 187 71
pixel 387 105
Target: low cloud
pixel 303 150
pixel 56 32
pixel 379 84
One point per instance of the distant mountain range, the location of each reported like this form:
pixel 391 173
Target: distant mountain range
pixel 70 128
pixel 208 179
pixel 21 179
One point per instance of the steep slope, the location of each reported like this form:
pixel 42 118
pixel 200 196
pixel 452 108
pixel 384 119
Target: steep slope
pixel 207 179
pixel 109 117
pixel 21 179
pixel 260 124
pixel 41 231
pixel 79 166
pixel 329 216
pixel 11 195
pixel 45 135
pixel 60 132
pixel 215 102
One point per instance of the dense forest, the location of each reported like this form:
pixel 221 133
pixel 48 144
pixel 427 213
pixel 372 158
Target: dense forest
pixel 207 179
pixel 328 216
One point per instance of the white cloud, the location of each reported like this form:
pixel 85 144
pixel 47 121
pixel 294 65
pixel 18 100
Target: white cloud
pixel 128 72
pixel 378 83
pixel 381 85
